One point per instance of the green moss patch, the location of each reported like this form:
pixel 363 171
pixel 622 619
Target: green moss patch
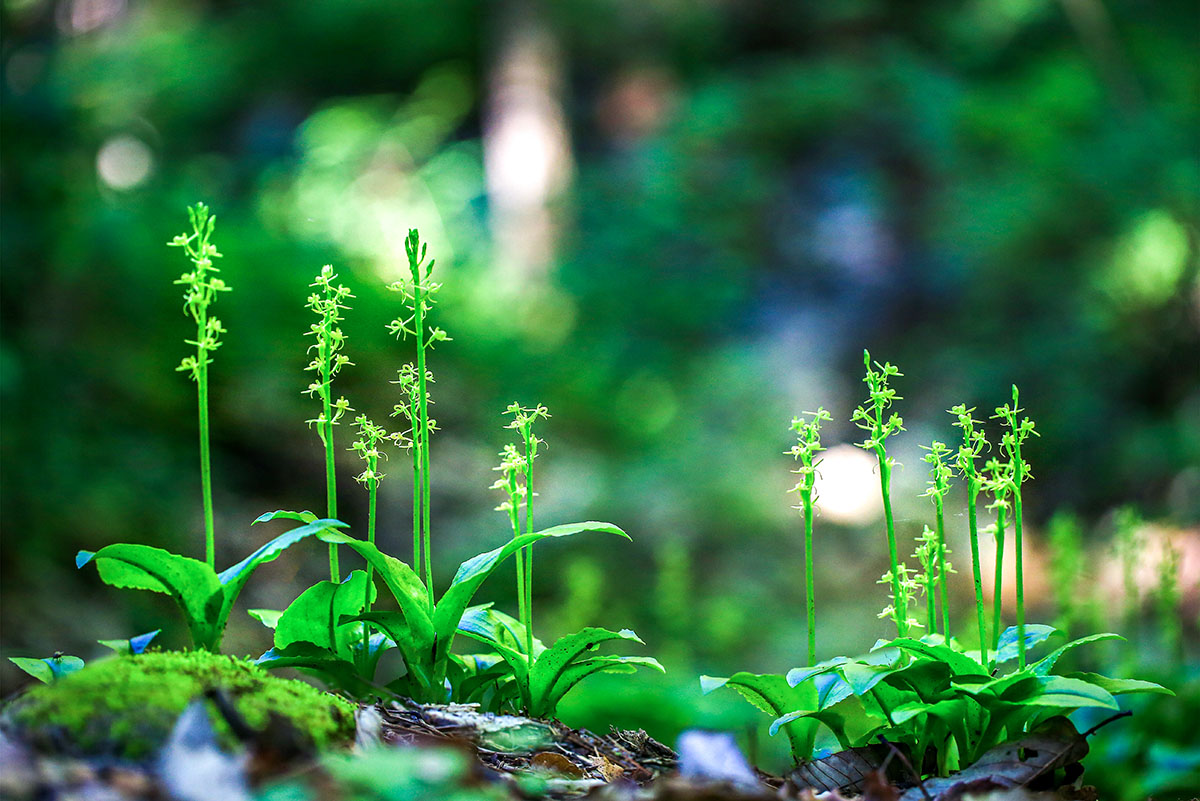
pixel 126 706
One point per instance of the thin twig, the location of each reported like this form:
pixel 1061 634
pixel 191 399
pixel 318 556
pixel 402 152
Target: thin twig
pixel 903 759
pixel 1105 722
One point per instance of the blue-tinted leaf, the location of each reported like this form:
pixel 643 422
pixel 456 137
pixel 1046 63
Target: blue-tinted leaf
pixel 799 675
pixel 83 557
pixel 141 642
pixel 1034 634
pixel 831 689
pixel 133 645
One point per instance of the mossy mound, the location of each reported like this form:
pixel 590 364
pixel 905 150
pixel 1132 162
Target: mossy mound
pixel 126 706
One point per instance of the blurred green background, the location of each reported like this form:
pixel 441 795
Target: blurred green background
pixel 675 224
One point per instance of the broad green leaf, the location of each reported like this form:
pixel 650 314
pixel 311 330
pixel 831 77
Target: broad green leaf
pixel 578 671
pixel 493 626
pixel 862 678
pixel 235 578
pixel 1060 691
pixel 1120 686
pixel 851 723
pixel 49 669
pixel 952 713
pixel 906 712
pixel 282 514
pixel 479 623
pixel 772 694
pixel 474 572
pixel 406 587
pixel 1016 688
pixel 38 668
pixel 417 655
pixel 268 617
pixel 831 689
pixel 316 616
pixel 1034 634
pixel 799 675
pixel 192 584
pixel 133 645
pixel 958 662
pixel 1044 665
pixel 928 678
pixel 549 666
pixel 320 662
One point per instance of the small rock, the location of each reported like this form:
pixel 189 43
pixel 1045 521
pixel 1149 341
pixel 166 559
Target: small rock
pixel 713 756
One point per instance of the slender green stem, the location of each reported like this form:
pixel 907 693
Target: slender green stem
pixel 976 574
pixel 330 471
pixel 514 520
pixel 940 513
pixel 809 601
pixel 1018 477
pixel 210 555
pixel 998 589
pixel 372 492
pixel 900 600
pixel 930 598
pixel 416 501
pixel 423 425
pixel 530 453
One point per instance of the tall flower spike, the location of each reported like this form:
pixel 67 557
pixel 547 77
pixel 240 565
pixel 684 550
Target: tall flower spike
pixel 808 445
pixel 417 294
pixel 870 417
pixel 1019 430
pixel 522 422
pixel 202 286
pixel 973 445
pixel 939 484
pixel 328 303
pixel 367 446
pixel 996 481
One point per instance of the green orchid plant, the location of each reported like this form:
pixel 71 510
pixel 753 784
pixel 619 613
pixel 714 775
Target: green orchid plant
pixel 944 704
pixel 540 676
pixel 331 629
pixel 204 596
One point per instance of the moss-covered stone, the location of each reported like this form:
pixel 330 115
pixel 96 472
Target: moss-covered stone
pixel 126 706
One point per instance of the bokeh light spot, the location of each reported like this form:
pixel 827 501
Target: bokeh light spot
pixel 847 486
pixel 124 162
